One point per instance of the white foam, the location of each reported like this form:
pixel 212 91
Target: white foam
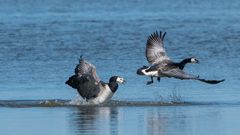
pixel 78 101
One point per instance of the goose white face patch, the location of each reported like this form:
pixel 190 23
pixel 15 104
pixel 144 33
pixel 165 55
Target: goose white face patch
pixel 194 60
pixel 120 80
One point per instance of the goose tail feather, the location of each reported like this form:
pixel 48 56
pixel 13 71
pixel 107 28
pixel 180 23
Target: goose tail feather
pixel 211 81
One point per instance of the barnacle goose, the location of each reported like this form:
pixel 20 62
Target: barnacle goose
pixel 89 85
pixel 162 65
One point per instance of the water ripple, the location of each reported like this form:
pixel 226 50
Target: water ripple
pixel 112 103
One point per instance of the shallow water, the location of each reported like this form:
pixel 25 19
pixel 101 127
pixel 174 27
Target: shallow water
pixel 40 42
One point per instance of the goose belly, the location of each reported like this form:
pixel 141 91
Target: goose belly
pixel 104 95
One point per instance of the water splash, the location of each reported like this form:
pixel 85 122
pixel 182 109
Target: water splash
pixel 51 103
pixel 78 101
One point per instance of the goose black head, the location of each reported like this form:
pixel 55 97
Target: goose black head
pixel 140 72
pixel 182 64
pixel 117 79
pixel 113 82
pixel 194 60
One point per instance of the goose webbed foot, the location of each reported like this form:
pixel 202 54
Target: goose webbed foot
pixel 150 82
pixel 158 79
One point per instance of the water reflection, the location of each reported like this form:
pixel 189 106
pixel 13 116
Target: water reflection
pixel 175 120
pixel 155 124
pixel 166 120
pixel 127 120
pixel 183 120
pixel 94 120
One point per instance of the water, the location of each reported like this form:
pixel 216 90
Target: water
pixel 40 42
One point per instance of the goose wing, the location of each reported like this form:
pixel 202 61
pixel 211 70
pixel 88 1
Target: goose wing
pixel 155 51
pixel 73 81
pixel 85 67
pixel 178 73
pixel 85 84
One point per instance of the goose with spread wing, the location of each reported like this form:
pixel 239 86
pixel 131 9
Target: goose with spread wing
pixel 89 85
pixel 162 65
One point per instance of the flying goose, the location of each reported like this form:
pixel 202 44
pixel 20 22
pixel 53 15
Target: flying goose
pixel 162 65
pixel 180 65
pixel 89 85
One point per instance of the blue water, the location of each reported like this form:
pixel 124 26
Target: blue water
pixel 40 42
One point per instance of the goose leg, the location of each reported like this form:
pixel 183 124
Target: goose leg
pixel 150 82
pixel 158 78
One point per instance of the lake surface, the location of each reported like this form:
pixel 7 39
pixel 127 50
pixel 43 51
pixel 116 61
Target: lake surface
pixel 41 41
